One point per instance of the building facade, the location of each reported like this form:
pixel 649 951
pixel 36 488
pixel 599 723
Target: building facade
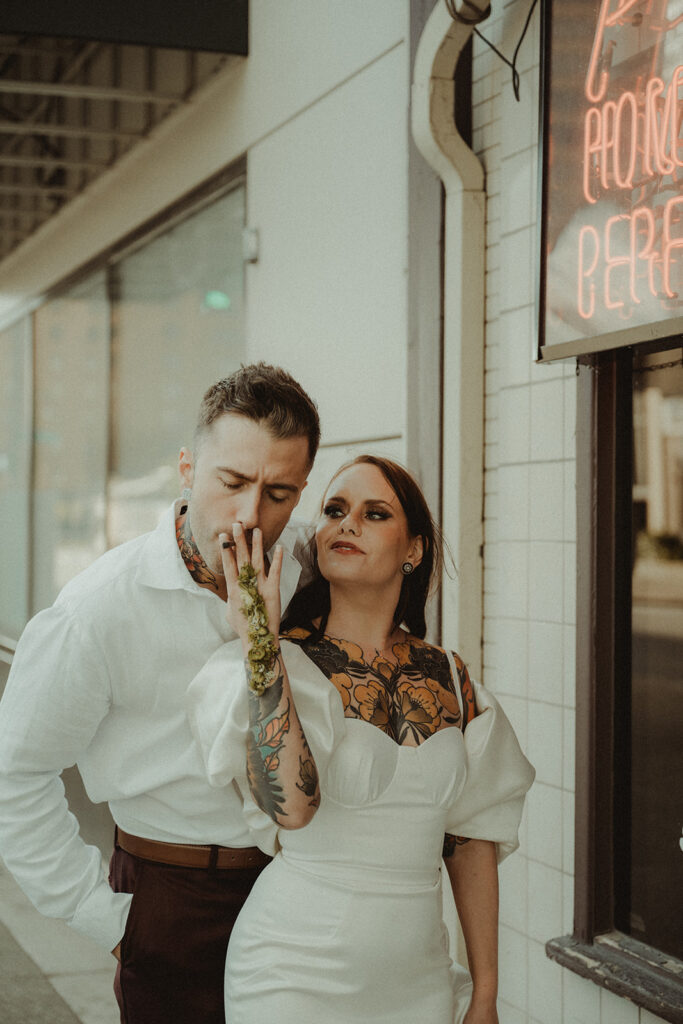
pixel 358 200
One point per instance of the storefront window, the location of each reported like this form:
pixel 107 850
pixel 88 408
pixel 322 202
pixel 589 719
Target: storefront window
pixel 15 463
pixel 178 325
pixel 100 389
pixel 656 874
pixel 71 367
pixel 628 933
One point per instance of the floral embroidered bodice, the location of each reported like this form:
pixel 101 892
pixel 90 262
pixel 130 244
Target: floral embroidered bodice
pixel 409 693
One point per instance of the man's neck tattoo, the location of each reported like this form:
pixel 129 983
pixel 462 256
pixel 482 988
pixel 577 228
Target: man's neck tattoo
pixel 196 566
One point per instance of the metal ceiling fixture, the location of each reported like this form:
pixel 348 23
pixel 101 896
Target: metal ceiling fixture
pixel 70 108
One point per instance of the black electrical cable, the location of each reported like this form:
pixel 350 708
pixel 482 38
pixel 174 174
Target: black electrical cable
pixel 480 16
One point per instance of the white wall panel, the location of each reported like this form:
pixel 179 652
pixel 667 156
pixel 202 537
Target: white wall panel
pixel 327 298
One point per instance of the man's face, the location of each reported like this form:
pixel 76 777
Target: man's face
pixel 242 474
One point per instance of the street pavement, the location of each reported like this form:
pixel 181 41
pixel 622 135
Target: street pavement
pixel 48 973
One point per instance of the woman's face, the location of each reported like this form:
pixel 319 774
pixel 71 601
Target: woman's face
pixel 362 535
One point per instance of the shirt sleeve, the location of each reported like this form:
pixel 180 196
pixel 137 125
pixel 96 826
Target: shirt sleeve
pixel 57 694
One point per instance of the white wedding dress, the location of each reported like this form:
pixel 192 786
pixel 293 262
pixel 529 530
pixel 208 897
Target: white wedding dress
pixel 345 925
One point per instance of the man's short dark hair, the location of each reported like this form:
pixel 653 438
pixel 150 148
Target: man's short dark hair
pixel 266 394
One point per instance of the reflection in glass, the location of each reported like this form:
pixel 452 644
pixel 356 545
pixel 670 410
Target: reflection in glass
pixel 178 326
pixel 71 366
pixel 657 655
pixel 15 462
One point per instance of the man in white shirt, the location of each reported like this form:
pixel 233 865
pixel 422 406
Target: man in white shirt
pixel 99 679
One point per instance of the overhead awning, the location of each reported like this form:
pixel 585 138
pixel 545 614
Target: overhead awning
pixel 219 26
pixel 81 86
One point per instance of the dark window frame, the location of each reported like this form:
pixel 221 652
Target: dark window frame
pixel 598 950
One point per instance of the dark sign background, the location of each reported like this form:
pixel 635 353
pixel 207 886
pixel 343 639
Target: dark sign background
pixel 216 25
pixel 611 269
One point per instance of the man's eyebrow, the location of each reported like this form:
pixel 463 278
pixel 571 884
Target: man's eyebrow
pixel 251 479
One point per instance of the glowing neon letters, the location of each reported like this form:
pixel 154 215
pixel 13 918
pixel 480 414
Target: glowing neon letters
pixel 631 143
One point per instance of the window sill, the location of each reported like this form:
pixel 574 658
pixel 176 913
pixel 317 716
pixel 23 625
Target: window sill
pixel 628 968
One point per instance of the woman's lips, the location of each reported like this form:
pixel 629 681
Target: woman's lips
pixel 345 548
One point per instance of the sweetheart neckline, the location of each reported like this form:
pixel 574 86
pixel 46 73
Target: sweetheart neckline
pixel 401 746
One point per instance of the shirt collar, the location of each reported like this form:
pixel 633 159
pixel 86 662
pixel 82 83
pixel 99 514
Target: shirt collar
pixel 161 565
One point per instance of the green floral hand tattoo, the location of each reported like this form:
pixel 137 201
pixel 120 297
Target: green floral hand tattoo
pixel 263 651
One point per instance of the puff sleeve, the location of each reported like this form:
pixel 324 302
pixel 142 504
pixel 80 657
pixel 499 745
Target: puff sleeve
pixel 217 706
pixel 490 803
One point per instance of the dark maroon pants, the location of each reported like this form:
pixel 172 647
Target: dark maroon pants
pixel 173 951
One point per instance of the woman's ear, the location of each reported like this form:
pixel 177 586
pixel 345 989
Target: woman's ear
pixel 416 551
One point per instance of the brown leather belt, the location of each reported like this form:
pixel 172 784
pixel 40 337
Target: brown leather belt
pixel 188 855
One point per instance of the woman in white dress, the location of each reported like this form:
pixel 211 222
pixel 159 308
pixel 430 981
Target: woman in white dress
pixel 395 759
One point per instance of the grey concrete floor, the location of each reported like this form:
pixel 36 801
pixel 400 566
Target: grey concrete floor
pixel 48 973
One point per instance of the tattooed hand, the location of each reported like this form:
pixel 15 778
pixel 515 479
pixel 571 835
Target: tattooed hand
pixel 234 557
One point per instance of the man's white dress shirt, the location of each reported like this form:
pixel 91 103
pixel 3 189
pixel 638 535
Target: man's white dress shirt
pixel 99 679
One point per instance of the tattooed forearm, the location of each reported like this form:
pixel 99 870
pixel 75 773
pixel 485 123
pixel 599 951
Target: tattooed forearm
pixel 279 760
pixel 308 775
pixel 450 842
pixel 196 566
pixel 264 743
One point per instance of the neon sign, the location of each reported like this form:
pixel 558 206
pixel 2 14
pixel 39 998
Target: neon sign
pixel 613 195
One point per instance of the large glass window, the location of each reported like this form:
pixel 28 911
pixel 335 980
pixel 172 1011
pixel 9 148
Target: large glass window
pixel 109 375
pixel 15 462
pixel 628 931
pixel 71 364
pixel 178 325
pixel 656 873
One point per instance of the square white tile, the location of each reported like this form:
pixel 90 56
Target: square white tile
pixel 546 583
pixel 516 212
pixel 545 986
pixel 570 385
pixel 546 658
pixel 545 739
pixel 545 825
pixel 513 425
pixel 512 875
pixel 568 832
pixel 567 904
pixel 508 1014
pixel 514 579
pixel 617 1010
pixel 581 1000
pixel 512 966
pixel 569 496
pixel 546 501
pixel 517 256
pixel 570 666
pixel 511 657
pixel 546 918
pixel 547 421
pixel 517 339
pixel 570 583
pixel 513 502
pixel 569 750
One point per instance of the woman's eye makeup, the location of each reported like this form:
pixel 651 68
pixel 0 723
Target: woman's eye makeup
pixel 336 511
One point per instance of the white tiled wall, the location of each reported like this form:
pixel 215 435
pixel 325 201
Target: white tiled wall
pixel 530 547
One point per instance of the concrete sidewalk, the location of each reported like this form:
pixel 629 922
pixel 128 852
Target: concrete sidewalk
pixel 48 973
